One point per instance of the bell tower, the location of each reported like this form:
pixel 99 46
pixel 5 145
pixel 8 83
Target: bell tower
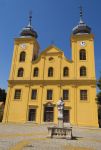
pixel 82 43
pixel 24 46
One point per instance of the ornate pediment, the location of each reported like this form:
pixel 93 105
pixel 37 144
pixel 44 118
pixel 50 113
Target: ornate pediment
pixel 49 104
pixel 52 49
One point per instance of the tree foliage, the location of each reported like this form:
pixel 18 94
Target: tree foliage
pixel 2 95
pixel 99 83
pixel 99 93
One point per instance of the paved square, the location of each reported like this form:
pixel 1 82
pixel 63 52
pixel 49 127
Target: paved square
pixel 34 137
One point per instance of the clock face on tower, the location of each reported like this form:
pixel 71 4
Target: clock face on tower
pixel 23 46
pixel 83 43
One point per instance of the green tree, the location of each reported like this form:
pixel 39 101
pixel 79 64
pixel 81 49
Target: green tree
pixel 99 100
pixel 2 99
pixel 2 95
pixel 99 93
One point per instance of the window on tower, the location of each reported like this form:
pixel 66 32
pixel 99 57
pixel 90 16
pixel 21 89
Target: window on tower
pixel 22 56
pixel 83 71
pixel 17 94
pixel 83 94
pixel 50 72
pixel 82 54
pixel 20 72
pixel 36 72
pixel 65 72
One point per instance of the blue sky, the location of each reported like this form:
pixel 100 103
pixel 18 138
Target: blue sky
pixel 52 19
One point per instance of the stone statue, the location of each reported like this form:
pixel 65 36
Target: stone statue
pixel 60 106
pixel 60 131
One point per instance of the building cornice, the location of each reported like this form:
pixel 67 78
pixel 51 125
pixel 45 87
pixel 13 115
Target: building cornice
pixel 53 82
pixel 86 36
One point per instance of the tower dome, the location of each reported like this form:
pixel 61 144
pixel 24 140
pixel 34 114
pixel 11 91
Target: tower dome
pixel 81 28
pixel 28 30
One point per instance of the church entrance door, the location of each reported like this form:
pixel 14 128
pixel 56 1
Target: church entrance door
pixel 32 115
pixel 48 114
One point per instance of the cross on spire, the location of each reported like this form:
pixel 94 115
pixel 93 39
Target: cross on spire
pixel 81 11
pixel 30 18
pixel 81 15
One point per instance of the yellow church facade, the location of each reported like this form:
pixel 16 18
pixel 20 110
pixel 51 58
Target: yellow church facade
pixel 38 80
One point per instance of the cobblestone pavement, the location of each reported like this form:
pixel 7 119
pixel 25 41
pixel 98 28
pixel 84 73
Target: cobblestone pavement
pixel 34 137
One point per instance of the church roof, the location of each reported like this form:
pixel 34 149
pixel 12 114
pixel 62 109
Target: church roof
pixel 28 30
pixel 81 28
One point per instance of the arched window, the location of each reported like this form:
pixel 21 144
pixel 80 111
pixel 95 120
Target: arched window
pixel 82 54
pixel 36 71
pixel 50 72
pixel 20 72
pixel 82 71
pixel 22 56
pixel 65 71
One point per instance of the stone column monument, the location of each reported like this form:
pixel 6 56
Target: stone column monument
pixel 60 131
pixel 60 106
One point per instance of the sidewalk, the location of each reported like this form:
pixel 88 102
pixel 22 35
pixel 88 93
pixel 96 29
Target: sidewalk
pixel 34 137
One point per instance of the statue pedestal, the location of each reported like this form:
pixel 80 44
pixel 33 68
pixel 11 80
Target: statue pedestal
pixel 60 123
pixel 60 133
